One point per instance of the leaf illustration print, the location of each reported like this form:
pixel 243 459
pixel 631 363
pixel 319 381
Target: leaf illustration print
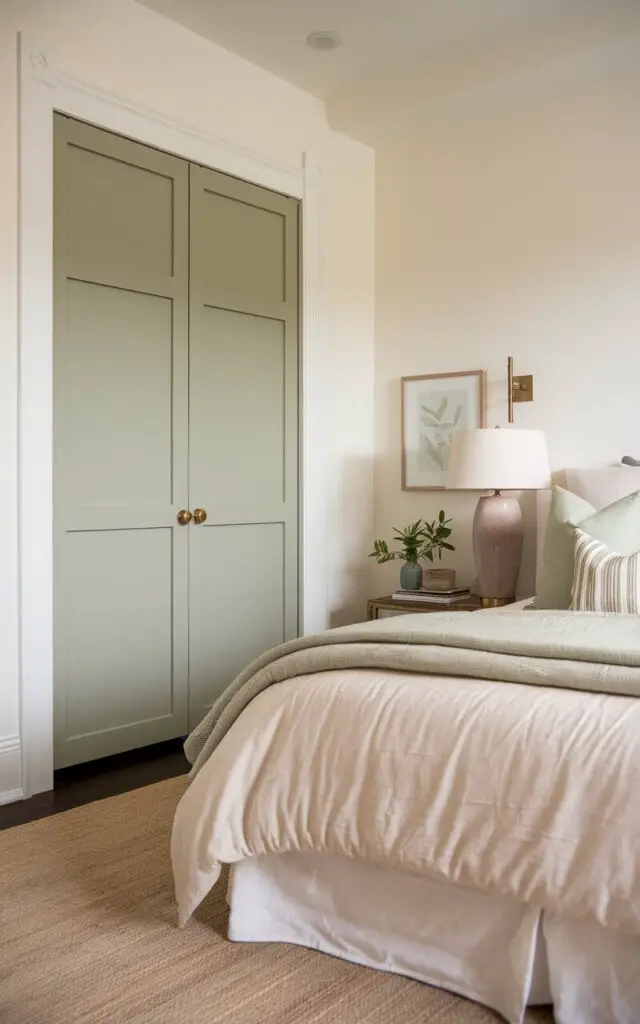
pixel 441 408
pixel 445 450
pixel 433 452
pixel 457 415
pixel 428 417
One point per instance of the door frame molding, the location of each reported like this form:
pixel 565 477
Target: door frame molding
pixel 45 87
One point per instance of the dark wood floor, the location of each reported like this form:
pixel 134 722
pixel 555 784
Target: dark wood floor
pixel 98 779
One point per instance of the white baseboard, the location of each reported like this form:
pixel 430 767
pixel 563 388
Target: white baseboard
pixel 10 770
pixel 11 796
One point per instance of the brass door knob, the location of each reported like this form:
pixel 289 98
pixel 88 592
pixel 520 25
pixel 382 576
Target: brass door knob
pixel 199 516
pixel 184 517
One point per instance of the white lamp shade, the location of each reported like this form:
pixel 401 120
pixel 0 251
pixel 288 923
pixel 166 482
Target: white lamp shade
pixel 499 460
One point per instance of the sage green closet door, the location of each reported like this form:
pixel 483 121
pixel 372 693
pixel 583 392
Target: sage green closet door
pixel 120 444
pixel 243 428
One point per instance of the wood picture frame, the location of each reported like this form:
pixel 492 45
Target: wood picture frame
pixel 434 406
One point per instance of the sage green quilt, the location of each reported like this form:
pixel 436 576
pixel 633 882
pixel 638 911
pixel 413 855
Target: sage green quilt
pixel 587 651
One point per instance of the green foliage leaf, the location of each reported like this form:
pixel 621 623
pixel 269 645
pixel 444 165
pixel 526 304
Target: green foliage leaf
pixel 420 539
pixel 381 552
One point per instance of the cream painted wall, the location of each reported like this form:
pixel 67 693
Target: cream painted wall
pixel 125 48
pixel 519 235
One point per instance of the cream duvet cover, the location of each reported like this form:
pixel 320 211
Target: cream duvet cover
pixel 523 790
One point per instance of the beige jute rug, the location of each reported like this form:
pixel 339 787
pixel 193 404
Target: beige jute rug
pixel 88 936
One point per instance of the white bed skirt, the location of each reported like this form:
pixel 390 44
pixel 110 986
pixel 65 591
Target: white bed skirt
pixel 489 949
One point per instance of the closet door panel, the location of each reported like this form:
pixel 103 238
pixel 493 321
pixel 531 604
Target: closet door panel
pixel 122 215
pixel 241 361
pixel 247 258
pixel 118 646
pixel 115 397
pixel 236 573
pixel 243 428
pixel 121 263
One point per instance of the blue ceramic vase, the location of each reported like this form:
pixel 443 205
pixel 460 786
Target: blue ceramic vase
pixel 411 576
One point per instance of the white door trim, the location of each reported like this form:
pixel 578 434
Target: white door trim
pixel 45 88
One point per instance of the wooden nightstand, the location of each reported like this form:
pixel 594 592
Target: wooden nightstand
pixel 387 604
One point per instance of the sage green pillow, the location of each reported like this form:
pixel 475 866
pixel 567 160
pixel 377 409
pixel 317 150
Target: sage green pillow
pixel 617 526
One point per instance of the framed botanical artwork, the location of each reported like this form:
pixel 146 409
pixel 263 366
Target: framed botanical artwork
pixel 434 407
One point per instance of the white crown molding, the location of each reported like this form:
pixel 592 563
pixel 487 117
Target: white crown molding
pixel 41 67
pixel 45 88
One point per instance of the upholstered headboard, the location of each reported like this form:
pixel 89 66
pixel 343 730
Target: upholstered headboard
pixel 597 486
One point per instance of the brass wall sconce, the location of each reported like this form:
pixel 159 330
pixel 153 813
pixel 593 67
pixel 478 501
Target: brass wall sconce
pixel 519 389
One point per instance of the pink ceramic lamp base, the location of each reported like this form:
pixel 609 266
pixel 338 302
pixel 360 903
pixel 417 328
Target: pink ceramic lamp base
pixel 497 547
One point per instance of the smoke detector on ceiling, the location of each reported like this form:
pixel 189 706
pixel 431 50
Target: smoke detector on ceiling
pixel 324 40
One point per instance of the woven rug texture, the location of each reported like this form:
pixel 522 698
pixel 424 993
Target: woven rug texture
pixel 88 936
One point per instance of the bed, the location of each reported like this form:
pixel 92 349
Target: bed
pixel 470 830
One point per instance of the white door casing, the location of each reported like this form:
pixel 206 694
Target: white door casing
pixel 45 88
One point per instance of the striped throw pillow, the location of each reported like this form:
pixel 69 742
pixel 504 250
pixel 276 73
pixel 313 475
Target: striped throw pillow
pixel 602 580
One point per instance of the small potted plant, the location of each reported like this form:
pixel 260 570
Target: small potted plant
pixel 417 540
pixel 435 543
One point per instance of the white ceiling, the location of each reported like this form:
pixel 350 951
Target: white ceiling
pixel 400 55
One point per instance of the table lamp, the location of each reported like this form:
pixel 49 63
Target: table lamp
pixel 498 460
